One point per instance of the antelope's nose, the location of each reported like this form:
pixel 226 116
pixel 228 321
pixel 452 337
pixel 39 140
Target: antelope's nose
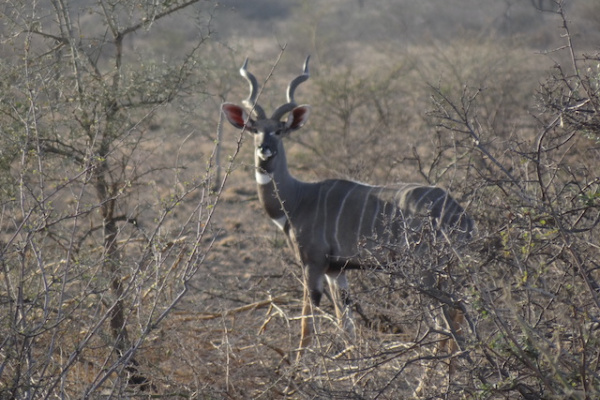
pixel 264 152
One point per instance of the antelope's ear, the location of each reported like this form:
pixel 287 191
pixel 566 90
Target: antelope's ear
pixel 237 116
pixel 297 117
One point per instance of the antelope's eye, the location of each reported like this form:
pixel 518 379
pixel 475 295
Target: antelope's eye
pixel 275 133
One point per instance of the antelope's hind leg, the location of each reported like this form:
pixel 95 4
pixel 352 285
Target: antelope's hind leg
pixel 448 348
pixel 340 294
pixel 455 319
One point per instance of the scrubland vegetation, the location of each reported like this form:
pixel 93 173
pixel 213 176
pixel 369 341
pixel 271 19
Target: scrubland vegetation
pixel 135 261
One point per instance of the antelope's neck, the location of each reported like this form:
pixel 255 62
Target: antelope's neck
pixel 278 190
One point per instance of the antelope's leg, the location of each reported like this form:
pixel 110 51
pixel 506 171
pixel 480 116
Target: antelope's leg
pixel 340 294
pixel 307 325
pixel 455 319
pixel 313 291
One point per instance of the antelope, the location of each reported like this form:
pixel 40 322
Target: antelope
pixel 335 225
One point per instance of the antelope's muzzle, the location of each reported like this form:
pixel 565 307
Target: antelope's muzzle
pixel 265 153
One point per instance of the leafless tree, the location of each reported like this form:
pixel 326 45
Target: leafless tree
pixel 91 265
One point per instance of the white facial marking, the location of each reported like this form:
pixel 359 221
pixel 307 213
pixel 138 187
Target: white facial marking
pixel 280 222
pixel 264 155
pixel 262 178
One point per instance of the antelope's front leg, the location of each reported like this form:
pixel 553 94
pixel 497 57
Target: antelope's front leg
pixel 313 291
pixel 307 325
pixel 340 294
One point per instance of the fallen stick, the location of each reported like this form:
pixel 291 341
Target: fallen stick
pixel 252 306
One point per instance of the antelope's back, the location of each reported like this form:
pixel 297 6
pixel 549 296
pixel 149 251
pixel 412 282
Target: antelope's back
pixel 351 221
pixel 436 205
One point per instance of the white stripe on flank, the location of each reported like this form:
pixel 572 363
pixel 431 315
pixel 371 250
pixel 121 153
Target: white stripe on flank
pixel 280 222
pixel 317 212
pixel 376 214
pixel 359 231
pixel 339 214
pixel 325 207
pixel 424 197
pixel 318 227
pixel 262 178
